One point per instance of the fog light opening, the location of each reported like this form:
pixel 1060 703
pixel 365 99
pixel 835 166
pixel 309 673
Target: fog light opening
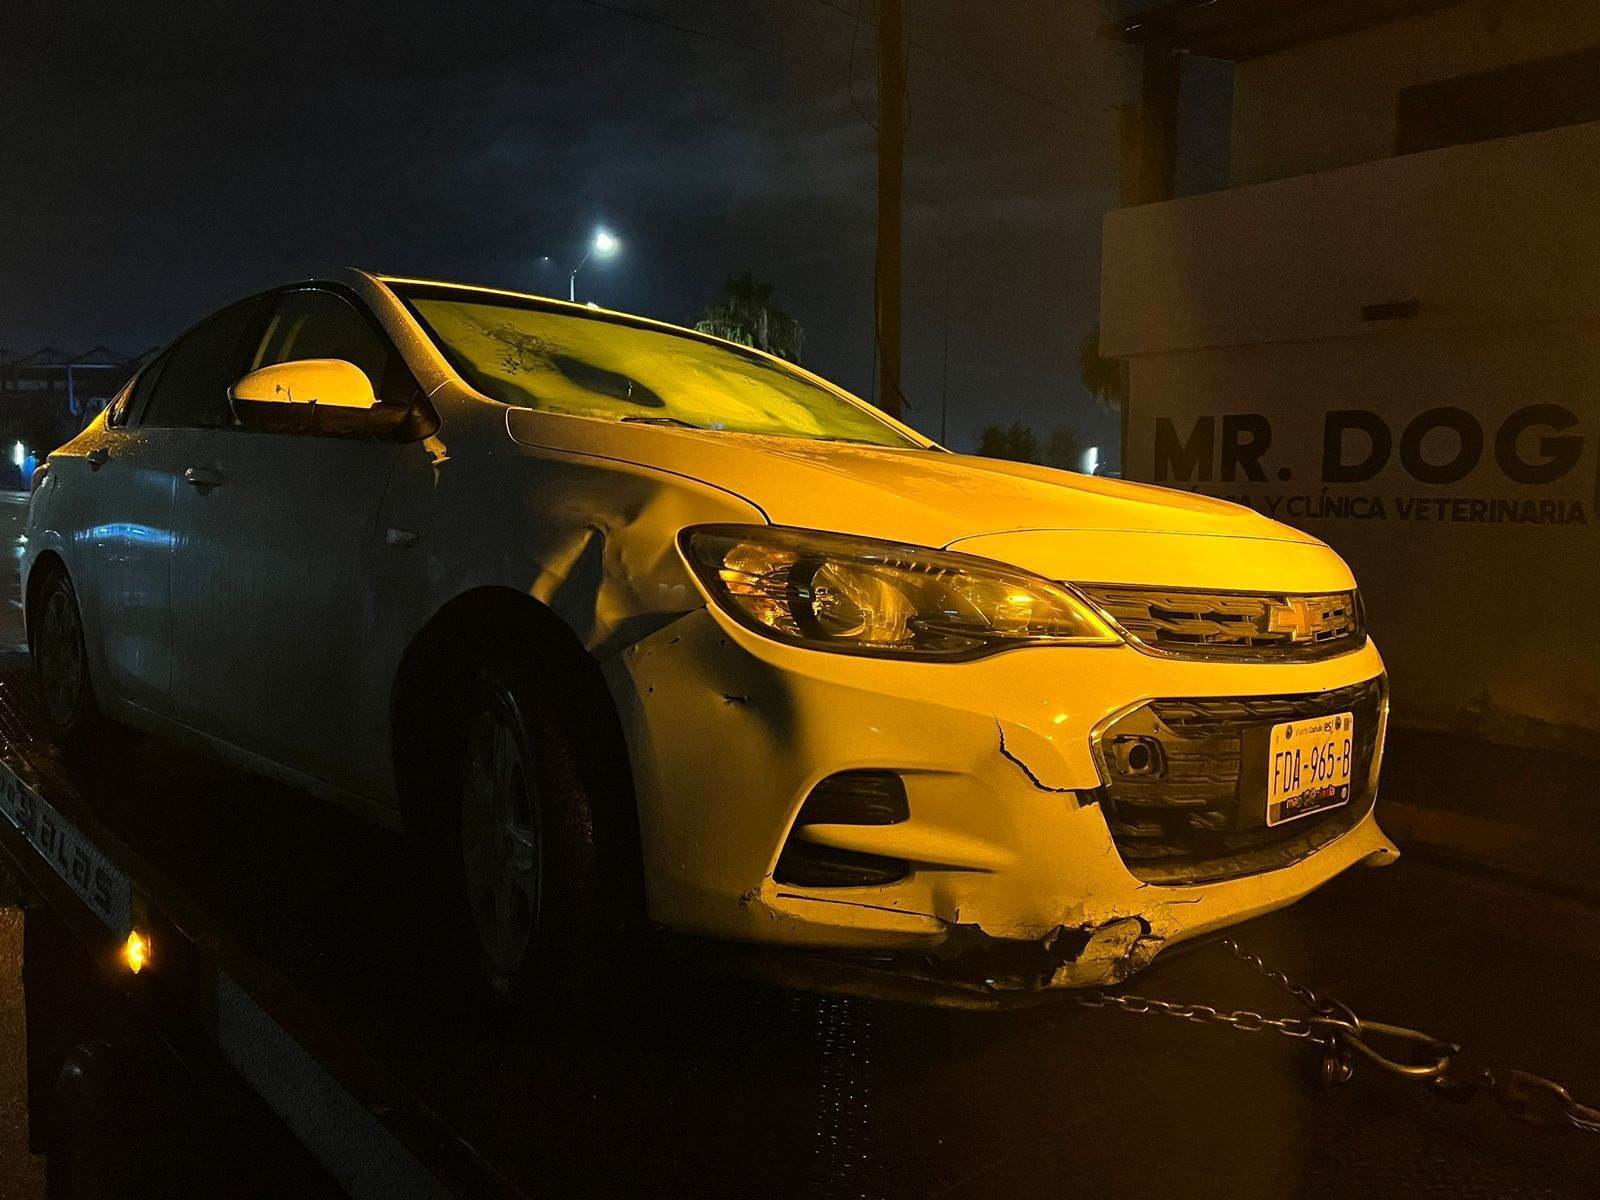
pixel 1137 756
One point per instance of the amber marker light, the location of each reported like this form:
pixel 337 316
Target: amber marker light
pixel 136 952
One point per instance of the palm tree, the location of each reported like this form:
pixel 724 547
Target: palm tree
pixel 1014 441
pixel 1064 449
pixel 1106 379
pixel 746 314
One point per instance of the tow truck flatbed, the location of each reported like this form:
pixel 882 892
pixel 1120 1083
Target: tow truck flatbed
pixel 284 961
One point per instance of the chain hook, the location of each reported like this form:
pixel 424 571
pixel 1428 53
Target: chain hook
pixel 1399 1049
pixel 1435 1065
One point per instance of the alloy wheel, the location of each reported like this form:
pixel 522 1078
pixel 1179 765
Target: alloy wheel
pixel 60 650
pixel 500 842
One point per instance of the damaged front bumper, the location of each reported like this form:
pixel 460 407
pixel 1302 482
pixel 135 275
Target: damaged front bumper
pixel 1013 882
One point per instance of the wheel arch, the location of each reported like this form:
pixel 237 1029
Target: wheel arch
pixel 442 660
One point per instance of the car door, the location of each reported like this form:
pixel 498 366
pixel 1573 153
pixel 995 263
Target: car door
pixel 271 596
pixel 129 478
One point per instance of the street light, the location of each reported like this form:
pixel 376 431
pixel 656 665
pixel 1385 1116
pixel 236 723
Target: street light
pixel 605 245
pixel 539 264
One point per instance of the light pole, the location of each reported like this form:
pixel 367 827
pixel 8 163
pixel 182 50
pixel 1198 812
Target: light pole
pixel 605 245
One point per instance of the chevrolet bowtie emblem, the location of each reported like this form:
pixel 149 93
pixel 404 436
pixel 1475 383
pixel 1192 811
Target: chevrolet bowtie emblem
pixel 1301 620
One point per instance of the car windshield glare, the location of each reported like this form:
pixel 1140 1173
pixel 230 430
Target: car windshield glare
pixel 595 366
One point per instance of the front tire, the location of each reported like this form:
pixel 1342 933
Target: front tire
pixel 61 661
pixel 500 838
pixel 531 900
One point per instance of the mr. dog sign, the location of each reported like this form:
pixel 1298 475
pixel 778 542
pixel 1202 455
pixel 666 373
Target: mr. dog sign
pixel 1538 444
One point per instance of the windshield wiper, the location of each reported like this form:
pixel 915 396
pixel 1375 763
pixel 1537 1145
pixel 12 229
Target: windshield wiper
pixel 679 421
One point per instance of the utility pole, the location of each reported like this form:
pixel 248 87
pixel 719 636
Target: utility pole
pixel 944 361
pixel 891 159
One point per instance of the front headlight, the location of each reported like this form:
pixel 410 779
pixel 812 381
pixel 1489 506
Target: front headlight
pixel 829 591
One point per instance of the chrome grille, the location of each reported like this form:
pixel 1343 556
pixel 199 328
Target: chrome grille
pixel 1248 625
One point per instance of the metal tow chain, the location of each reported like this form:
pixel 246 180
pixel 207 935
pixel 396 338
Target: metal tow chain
pixel 1343 1036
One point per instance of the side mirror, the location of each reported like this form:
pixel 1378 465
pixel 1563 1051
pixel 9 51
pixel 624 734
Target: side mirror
pixel 314 395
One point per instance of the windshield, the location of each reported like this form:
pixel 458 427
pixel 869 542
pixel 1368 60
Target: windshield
pixel 584 366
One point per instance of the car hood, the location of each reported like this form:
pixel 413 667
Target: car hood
pixel 1057 523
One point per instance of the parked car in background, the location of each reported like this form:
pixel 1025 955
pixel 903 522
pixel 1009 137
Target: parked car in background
pixel 626 624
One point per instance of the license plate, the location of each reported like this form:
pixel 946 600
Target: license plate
pixel 1308 766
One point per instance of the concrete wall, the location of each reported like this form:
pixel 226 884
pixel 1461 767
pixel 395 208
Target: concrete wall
pixel 1332 103
pixel 1507 230
pixel 1475 537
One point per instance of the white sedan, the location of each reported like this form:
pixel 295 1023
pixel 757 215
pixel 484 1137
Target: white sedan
pixel 624 624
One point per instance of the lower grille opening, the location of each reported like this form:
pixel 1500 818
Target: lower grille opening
pixel 1186 797
pixel 846 798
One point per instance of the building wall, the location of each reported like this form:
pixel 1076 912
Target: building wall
pixel 1493 231
pixel 1332 103
pixel 1475 537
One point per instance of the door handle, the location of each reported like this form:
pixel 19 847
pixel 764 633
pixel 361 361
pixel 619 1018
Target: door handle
pixel 202 477
pixel 97 458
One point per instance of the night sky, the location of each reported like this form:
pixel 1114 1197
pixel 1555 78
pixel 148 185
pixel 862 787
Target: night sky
pixel 159 160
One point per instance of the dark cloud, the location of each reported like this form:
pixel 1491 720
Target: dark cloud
pixel 158 160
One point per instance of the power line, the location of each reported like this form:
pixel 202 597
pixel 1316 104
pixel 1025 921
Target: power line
pixel 765 52
pixel 964 66
pixel 652 19
pixel 1080 131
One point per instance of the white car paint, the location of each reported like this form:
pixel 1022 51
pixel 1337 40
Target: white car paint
pixel 265 618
